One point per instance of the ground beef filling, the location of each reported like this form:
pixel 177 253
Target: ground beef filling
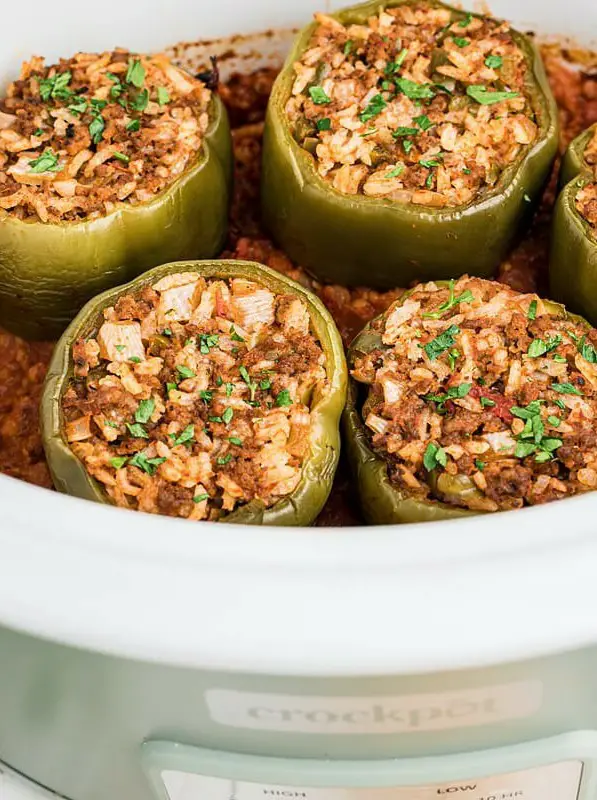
pixel 586 199
pixel 422 104
pixel 193 398
pixel 482 398
pixel 81 136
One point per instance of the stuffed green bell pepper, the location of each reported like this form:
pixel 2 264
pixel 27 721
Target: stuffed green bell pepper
pixel 470 398
pixel 406 141
pixel 110 164
pixel 207 390
pixel 573 253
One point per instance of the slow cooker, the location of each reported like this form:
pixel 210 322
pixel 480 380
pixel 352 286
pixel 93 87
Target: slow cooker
pixel 144 658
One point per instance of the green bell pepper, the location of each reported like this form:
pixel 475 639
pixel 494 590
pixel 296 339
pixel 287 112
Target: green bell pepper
pixel 358 240
pixel 49 271
pixel 307 500
pixel 573 251
pixel 382 502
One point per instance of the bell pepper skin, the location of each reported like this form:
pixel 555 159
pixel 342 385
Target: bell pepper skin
pixel 304 504
pixel 383 503
pixel 357 240
pixel 573 250
pixel 49 271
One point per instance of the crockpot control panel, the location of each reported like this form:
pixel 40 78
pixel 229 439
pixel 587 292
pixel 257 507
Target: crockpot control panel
pixel 561 768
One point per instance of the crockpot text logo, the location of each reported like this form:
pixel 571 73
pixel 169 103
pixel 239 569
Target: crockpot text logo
pixel 397 714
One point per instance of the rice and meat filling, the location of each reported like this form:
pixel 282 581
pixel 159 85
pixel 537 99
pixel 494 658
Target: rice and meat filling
pixel 420 105
pixel 586 199
pixel 95 130
pixel 482 397
pixel 193 397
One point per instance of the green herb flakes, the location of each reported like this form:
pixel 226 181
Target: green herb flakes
pixel 376 106
pixel 185 372
pixel 407 145
pixel 207 341
pixel 395 172
pixel 163 96
pixel 324 124
pixel 283 398
pixel 135 74
pixel 423 122
pixel 539 348
pixel 148 465
pixel 585 348
pixel 565 388
pixel 47 162
pixel 185 437
pixel 452 393
pixel 465 21
pixel 235 441
pixel 55 88
pixel 434 457
pixel 227 416
pixel 170 387
pixel 480 465
pixel 78 105
pixel 234 335
pixel 494 62
pixel 532 312
pixel 229 389
pixel 145 410
pixel 486 402
pixel 137 430
pixel 206 396
pixel 415 91
pixel 460 42
pixel 481 95
pixel 223 460
pixel 118 462
pixel 265 384
pixel 555 422
pixel 133 125
pixel 200 498
pixel 319 96
pixel 121 157
pixel 135 360
pixel 96 128
pixel 404 131
pixel 451 302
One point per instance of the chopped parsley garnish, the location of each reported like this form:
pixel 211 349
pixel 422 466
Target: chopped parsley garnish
pixel 227 416
pixel 215 419
pixel 429 181
pixel 452 358
pixel 407 145
pixel 531 440
pixel 434 457
pixel 121 157
pixel 97 127
pixel 224 460
pixel 199 498
pixel 186 436
pixel 206 396
pixel 453 393
pixel 247 379
pixel 348 47
pixel 324 124
pixel 47 162
pixel 467 171
pixel 585 348
pixel 137 430
pixel 554 421
pixel 565 388
pixel 423 122
pixel 404 131
pixel 465 21
pixel 119 347
pixel 133 125
pixel 148 465
pixel 319 96
pixel 532 312
pixel 539 348
pixel 235 440
pixel 283 398
pixel 494 62
pixel 119 461
pixel 163 96
pixel 394 66
pixel 78 105
pixel 465 297
pixel 55 88
pixel 429 163
pixel 185 372
pixel 229 389
pixel 376 106
pixel 560 404
pixel 141 101
pixel 167 332
pixel 486 98
pixel 145 410
pixel 135 73
pixel 265 384
pixel 460 42
pixel 486 402
pixel 170 387
pixel 560 359
pixel 207 341
pixel 480 465
pixel 38 132
pixel 394 173
pixel 135 360
pixel 415 91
